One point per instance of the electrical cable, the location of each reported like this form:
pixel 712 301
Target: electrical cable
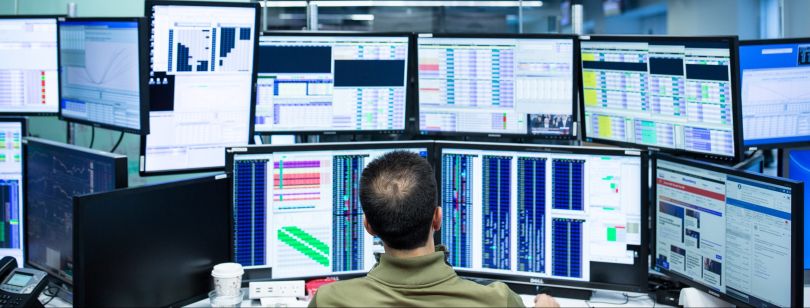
pixel 55 293
pixel 120 138
pixel 92 136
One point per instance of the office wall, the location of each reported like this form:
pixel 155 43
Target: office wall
pixel 797 23
pixel 715 17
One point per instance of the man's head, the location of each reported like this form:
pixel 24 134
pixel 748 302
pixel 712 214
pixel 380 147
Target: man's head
pixel 398 194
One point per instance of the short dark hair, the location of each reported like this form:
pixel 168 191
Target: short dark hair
pixel 398 195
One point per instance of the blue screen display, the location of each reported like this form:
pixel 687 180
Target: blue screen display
pixel 775 96
pixel 799 169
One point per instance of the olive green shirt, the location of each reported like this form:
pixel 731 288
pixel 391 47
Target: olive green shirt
pixel 424 281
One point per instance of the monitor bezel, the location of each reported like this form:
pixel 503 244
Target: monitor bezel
pixel 782 170
pixel 409 84
pixel 797 225
pixel 641 267
pixel 771 144
pixel 40 113
pixel 23 134
pixel 259 272
pixel 142 171
pixel 143 76
pixel 734 77
pixel 121 181
pixel 78 247
pixel 576 71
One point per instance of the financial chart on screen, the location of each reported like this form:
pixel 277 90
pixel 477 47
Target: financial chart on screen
pixel 100 72
pixel 332 83
pixel 775 92
pixel 28 65
pixel 539 214
pixel 300 212
pixel 729 233
pixel 663 94
pixel 200 85
pixel 11 192
pixel 55 174
pixel 496 85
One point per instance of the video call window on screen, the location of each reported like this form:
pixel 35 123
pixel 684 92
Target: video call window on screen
pixel 486 85
pixel 673 93
pixel 325 82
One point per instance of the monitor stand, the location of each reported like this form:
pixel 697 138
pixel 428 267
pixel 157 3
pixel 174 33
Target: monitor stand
pixel 608 297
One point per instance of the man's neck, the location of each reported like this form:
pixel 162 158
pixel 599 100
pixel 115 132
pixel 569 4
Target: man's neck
pixel 427 249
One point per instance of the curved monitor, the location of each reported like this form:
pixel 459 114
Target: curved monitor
pixel 733 234
pixel 544 215
pixel 497 85
pixel 332 83
pixel 775 97
pixel 674 94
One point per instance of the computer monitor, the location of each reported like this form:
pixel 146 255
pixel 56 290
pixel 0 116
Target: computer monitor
pixel 104 67
pixel 557 216
pixel 498 85
pixel 733 234
pixel 674 94
pixel 54 174
pixel 332 83
pixel 775 95
pixel 150 246
pixel 29 79
pixel 200 84
pixel 12 130
pixel 794 164
pixel 296 208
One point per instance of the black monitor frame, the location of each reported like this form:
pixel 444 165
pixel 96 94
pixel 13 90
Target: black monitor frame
pixel 640 267
pixel 55 19
pixel 736 102
pixel 143 74
pixel 783 171
pixel 257 31
pixel 756 159
pixel 259 273
pixel 121 181
pixel 797 226
pixel 80 298
pixel 576 71
pixel 797 40
pixel 23 134
pixel 410 71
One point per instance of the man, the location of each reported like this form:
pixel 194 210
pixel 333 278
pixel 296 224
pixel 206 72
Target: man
pixel 398 194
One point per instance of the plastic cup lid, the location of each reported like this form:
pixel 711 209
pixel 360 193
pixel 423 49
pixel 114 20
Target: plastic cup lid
pixel 227 270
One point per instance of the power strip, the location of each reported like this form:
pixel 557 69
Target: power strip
pixel 262 289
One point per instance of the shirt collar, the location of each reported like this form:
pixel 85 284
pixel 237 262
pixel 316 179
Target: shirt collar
pixel 413 272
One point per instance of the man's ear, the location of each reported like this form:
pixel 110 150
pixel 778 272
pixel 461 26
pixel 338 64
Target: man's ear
pixel 437 219
pixel 368 227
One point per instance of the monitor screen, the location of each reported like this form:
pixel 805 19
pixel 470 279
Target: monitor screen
pixel 664 93
pixel 566 215
pixel 54 174
pixel 795 165
pixel 728 232
pixel 775 95
pixel 323 82
pixel 297 208
pixel 502 86
pixel 11 192
pixel 103 67
pixel 29 81
pixel 201 84
pixel 150 246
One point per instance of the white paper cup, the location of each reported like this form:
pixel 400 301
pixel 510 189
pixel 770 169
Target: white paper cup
pixel 227 278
